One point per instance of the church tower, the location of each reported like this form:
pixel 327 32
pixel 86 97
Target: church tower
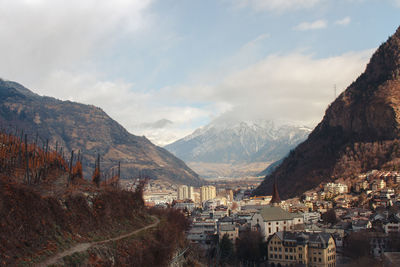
pixel 275 195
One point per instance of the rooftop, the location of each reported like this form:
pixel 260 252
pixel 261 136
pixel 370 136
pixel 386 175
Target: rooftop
pixel 227 227
pixel 270 213
pixel 305 237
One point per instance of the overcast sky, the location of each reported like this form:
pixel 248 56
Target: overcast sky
pixel 163 68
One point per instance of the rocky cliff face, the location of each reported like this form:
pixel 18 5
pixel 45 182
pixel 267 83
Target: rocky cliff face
pixel 360 130
pixel 87 128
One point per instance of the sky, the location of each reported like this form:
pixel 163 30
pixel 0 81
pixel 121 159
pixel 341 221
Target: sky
pixel 163 68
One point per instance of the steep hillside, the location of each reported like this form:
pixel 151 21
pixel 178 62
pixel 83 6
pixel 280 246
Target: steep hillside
pixel 75 126
pixel 237 144
pixel 53 216
pixel 271 168
pixel 360 130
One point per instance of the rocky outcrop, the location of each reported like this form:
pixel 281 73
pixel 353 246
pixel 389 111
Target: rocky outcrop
pixel 360 130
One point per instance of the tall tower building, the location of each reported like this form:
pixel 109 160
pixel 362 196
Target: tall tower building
pixel 191 193
pixel 207 192
pixel 203 193
pixel 230 192
pixel 183 192
pixel 212 192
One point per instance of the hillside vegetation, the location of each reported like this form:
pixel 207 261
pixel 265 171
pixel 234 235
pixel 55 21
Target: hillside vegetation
pixel 46 207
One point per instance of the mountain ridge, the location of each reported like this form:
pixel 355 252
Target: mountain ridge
pixel 236 142
pixel 359 131
pixel 76 126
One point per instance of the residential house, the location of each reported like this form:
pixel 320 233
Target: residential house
pixel 359 225
pixel 361 186
pixel 336 188
pixel 311 217
pixel 301 248
pixel 378 243
pixel 392 224
pixel 378 185
pixel 231 230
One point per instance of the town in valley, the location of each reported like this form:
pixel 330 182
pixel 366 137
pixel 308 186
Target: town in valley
pixel 314 229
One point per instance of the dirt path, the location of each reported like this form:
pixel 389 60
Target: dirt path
pixel 85 246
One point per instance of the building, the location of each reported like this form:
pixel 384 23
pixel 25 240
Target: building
pixel 335 188
pixel 360 186
pixel 231 230
pixel 359 225
pixel 301 248
pixel 272 219
pixel 392 224
pixel 191 193
pixel 378 243
pixel 378 185
pixel 185 192
pixel 207 192
pixel 184 205
pixel 311 217
pixel 387 193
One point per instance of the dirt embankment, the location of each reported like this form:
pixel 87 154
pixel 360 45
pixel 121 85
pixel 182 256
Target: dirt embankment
pixel 34 226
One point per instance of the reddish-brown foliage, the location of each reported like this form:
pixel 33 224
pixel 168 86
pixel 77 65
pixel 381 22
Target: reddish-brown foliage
pixel 27 162
pixel 96 176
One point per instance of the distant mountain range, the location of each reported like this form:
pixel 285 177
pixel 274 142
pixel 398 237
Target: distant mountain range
pixel 230 143
pixel 89 129
pixel 359 132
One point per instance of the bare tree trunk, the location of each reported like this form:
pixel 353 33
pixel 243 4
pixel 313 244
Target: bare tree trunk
pixel 70 167
pixel 27 179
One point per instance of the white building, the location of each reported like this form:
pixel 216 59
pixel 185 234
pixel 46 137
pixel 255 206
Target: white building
pixel 185 192
pixel 311 217
pixel 270 220
pixel 207 192
pixel 336 188
pixel 387 193
pixel 392 224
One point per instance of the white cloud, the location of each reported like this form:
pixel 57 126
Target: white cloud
pixel 345 21
pixel 295 87
pixel 278 5
pixel 133 109
pixel 305 26
pixel 50 46
pixel 39 36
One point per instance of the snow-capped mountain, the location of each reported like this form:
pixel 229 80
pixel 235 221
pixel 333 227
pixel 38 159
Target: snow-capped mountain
pixel 229 141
